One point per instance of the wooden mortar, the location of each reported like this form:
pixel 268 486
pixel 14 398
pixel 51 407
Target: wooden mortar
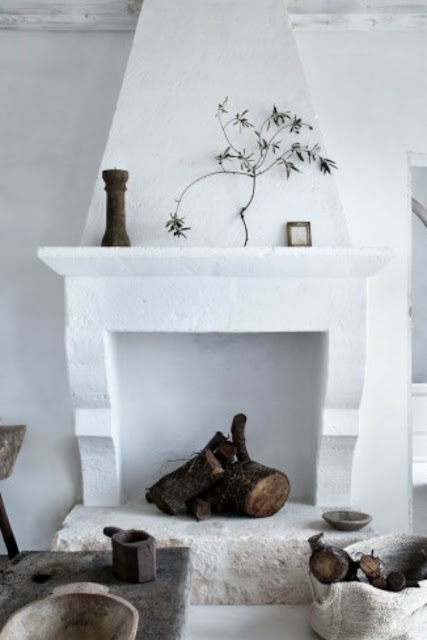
pixel 134 554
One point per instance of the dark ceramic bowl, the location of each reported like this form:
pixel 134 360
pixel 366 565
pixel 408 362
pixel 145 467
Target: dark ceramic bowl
pixel 347 520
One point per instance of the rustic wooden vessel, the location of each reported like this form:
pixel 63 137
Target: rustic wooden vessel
pixel 82 610
pixel 134 554
pixel 11 439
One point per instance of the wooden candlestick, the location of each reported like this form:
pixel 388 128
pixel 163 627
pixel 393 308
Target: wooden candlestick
pixel 115 186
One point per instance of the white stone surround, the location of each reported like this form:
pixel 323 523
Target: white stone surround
pixel 184 59
pixel 214 290
pixel 235 560
pixel 162 134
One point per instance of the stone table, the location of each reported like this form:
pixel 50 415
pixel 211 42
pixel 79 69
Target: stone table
pixel 162 603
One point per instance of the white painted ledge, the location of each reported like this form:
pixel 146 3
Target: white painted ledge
pixel 257 262
pixel 419 389
pixel 419 422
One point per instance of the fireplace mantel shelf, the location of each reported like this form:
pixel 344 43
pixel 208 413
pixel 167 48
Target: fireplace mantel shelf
pixel 253 262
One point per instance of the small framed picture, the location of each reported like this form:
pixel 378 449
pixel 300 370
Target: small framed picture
pixel 299 234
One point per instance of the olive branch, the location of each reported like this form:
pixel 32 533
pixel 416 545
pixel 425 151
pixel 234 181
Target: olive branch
pixel 278 128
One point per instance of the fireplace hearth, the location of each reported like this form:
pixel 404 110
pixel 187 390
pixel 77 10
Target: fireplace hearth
pixel 235 560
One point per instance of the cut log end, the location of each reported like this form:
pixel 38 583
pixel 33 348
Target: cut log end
pixel 371 565
pixel 155 496
pixel 188 481
pixel 250 488
pixel 199 508
pixel 328 567
pixel 215 441
pixel 268 496
pixel 226 452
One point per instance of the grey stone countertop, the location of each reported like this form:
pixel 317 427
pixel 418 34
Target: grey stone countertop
pixel 162 603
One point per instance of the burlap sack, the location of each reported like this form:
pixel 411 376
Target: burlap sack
pixel 357 611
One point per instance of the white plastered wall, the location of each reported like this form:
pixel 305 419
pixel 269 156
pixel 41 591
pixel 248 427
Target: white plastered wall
pixel 371 126
pixel 57 95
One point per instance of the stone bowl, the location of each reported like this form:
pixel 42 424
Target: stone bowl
pixel 347 520
pixel 82 610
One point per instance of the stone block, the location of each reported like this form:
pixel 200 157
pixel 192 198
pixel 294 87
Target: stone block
pixel 234 560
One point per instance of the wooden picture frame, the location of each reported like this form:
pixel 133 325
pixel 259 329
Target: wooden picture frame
pixel 298 234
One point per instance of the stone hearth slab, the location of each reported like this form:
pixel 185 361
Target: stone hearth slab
pixel 235 560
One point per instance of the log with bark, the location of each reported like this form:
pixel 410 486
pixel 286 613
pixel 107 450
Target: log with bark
pixel 419 572
pixel 238 435
pixel 193 478
pixel 215 481
pixel 374 569
pixel 250 488
pixel 396 582
pixel 331 564
pixel 226 452
pixel 199 508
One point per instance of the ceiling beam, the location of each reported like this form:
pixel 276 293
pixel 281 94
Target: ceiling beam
pixel 122 15
pixel 70 15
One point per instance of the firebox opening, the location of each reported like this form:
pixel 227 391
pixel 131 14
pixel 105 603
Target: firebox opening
pixel 171 391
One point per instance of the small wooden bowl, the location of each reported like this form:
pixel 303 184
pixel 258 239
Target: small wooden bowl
pixel 79 610
pixel 347 520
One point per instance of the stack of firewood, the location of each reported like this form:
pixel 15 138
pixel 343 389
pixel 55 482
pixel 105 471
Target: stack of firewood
pixel 331 564
pixel 222 478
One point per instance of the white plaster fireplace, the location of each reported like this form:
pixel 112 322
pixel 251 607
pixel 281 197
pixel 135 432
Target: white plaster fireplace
pixel 221 291
pixel 214 291
pixel 186 57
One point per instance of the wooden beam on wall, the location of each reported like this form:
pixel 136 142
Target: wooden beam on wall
pixel 358 15
pixel 352 6
pixel 122 15
pixel 70 15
